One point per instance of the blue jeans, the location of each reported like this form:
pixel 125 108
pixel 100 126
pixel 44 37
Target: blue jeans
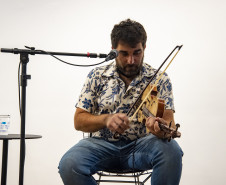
pixel 94 154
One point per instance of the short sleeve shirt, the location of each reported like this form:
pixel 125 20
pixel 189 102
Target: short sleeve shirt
pixel 104 92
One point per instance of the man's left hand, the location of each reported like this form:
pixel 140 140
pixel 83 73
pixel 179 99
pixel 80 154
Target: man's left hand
pixel 152 125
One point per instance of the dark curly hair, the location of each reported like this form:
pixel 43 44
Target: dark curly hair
pixel 130 32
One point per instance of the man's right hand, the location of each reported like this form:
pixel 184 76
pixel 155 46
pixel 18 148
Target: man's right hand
pixel 117 122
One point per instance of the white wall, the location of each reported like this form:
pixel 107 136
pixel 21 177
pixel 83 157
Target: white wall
pixel 197 73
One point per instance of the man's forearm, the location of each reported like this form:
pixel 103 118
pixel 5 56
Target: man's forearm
pixel 87 122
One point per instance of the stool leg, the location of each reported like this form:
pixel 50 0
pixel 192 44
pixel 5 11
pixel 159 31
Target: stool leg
pixel 4 162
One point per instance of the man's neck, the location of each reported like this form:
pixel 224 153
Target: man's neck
pixel 126 80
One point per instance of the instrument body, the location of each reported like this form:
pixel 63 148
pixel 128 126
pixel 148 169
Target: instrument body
pixel 154 107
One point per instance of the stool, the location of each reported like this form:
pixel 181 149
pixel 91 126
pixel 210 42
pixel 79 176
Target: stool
pixel 126 173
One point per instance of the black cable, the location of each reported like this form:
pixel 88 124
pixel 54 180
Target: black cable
pixel 19 87
pixel 68 62
pixel 31 48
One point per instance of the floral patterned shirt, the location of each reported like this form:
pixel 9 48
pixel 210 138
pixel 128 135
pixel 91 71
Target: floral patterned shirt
pixel 104 92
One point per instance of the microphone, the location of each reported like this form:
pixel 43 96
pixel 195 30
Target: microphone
pixel 112 55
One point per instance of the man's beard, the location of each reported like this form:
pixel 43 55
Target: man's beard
pixel 129 70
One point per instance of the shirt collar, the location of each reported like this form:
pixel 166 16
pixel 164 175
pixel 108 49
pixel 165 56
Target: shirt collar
pixel 110 70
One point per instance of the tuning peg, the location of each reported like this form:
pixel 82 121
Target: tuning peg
pixel 177 126
pixel 170 124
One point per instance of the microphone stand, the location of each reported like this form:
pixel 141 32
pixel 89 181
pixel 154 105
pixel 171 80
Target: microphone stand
pixel 24 59
pixel 24 77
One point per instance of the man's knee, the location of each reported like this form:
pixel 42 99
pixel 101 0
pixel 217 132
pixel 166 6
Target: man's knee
pixel 73 171
pixel 66 165
pixel 171 154
pixel 161 150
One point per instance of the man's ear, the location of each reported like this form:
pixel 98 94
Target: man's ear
pixel 144 46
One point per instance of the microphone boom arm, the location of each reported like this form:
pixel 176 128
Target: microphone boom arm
pixel 32 51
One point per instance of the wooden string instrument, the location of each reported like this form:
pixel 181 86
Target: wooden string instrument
pixel 148 104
